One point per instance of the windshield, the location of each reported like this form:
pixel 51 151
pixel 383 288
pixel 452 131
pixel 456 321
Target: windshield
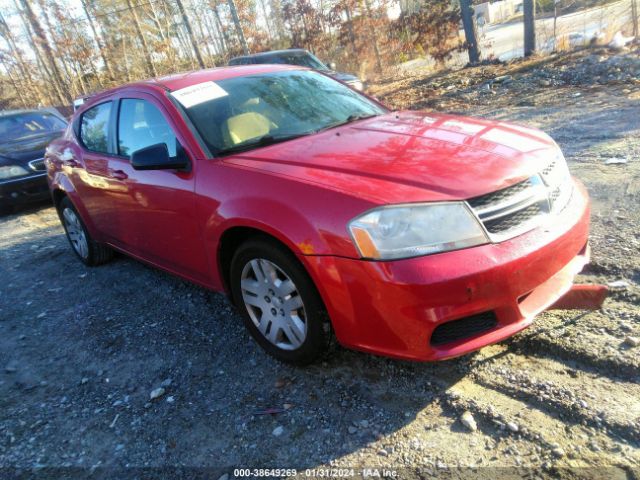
pixel 260 109
pixel 22 125
pixel 304 59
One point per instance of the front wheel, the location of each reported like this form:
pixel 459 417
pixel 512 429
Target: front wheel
pixel 280 305
pixel 90 252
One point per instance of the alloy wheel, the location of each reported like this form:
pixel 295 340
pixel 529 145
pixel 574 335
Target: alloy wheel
pixel 274 304
pixel 76 233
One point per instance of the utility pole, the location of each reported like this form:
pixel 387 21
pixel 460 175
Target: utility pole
pixel 529 10
pixel 634 16
pixel 192 38
pixel 471 36
pixel 236 22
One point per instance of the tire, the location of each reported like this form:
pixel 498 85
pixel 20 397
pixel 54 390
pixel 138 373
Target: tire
pixel 90 252
pixel 299 332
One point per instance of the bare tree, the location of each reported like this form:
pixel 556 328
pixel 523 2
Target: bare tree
pixel 236 22
pixel 21 63
pixel 43 43
pixel 151 69
pixel 98 39
pixel 470 33
pixel 192 40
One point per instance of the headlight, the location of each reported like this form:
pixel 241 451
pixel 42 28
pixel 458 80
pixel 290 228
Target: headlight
pixel 357 84
pixel 412 230
pixel 11 171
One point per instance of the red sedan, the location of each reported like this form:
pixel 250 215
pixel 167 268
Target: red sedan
pixel 322 213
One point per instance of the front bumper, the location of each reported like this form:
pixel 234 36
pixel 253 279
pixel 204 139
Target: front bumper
pixel 23 190
pixel 392 308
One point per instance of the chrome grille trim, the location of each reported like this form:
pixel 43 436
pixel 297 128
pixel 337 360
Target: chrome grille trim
pixel 37 165
pixel 512 211
pixel 517 209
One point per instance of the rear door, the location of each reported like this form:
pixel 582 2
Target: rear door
pixel 90 172
pixel 158 209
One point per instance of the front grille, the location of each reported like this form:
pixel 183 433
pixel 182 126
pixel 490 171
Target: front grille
pixel 512 210
pixel 519 208
pixel 37 165
pixel 513 221
pixel 500 195
pixel 464 328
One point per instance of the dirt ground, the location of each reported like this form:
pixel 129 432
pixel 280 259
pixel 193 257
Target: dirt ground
pixel 81 349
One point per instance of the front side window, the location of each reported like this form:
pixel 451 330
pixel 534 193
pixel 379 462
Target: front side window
pixel 94 128
pixel 249 110
pixel 27 124
pixel 142 125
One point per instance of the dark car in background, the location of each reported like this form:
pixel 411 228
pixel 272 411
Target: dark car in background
pixel 24 136
pixel 300 57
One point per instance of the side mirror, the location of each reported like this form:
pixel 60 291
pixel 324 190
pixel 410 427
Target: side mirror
pixel 332 65
pixel 156 157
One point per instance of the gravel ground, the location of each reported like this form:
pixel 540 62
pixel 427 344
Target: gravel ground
pixel 84 350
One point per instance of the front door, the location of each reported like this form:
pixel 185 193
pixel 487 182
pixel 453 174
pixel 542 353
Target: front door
pixel 158 210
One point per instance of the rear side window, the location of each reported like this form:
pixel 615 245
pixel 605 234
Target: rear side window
pixel 141 125
pixel 94 128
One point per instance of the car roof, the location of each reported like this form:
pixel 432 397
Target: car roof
pixel 274 53
pixel 186 79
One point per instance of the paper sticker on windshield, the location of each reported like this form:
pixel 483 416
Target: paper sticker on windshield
pixel 200 93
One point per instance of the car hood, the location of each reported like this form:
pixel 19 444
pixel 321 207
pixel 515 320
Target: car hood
pixel 24 150
pixel 410 156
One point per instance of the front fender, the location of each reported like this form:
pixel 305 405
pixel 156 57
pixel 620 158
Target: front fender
pixel 282 222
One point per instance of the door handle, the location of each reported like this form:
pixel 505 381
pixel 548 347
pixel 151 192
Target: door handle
pixel 118 174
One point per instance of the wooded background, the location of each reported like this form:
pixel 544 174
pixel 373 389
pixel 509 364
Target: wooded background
pixel 49 56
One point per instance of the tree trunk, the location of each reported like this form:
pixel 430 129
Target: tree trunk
pixel 470 33
pixel 529 10
pixel 225 38
pixel 192 38
pixel 98 39
pixel 236 22
pixel 151 69
pixel 215 34
pixel 206 36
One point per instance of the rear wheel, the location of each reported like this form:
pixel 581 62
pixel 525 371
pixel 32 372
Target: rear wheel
pixel 279 303
pixel 90 252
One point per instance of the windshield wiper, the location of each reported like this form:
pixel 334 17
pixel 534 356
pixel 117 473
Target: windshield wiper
pixel 349 119
pixel 263 141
